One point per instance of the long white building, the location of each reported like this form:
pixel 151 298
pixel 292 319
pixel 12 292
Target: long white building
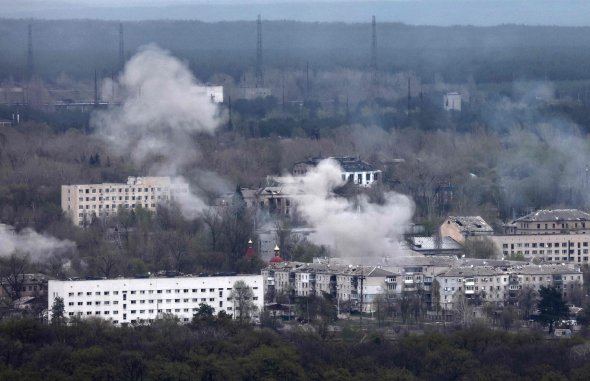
pixel 82 203
pixel 140 301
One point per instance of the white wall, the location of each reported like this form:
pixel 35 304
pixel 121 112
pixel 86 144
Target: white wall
pixel 132 300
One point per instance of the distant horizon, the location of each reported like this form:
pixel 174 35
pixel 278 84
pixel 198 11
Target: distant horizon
pixel 410 12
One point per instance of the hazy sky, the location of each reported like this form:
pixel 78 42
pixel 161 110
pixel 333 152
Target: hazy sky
pixel 432 12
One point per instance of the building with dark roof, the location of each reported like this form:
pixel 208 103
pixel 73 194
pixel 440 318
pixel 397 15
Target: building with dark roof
pixel 354 169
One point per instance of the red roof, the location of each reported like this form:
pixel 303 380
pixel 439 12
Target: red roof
pixel 276 259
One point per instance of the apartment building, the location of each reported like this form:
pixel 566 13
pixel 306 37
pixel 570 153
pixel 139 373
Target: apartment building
pixel 501 284
pixel 140 301
pixel 556 221
pixel 83 203
pixel 555 248
pixel 348 284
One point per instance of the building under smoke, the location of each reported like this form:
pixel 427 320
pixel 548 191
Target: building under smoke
pixel 354 170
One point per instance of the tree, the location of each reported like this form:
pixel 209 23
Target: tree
pixel 57 311
pixel 12 274
pixel 243 300
pixel 551 306
pixel 527 300
pixel 482 248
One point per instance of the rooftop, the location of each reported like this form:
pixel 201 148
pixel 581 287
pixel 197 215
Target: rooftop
pixel 430 243
pixel 348 163
pixel 471 224
pixel 555 215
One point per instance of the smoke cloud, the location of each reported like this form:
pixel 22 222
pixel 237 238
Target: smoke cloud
pixel 162 110
pixel 28 242
pixel 351 228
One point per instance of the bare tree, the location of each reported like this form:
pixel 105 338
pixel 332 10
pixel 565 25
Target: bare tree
pixel 242 297
pixel 12 274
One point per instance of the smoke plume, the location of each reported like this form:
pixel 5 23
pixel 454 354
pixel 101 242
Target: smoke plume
pixel 28 242
pixel 162 110
pixel 351 228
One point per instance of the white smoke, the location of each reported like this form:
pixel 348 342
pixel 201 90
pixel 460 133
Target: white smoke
pixel 30 243
pixel 162 110
pixel 351 228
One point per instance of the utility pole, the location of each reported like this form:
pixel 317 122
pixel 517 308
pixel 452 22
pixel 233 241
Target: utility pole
pixel 259 74
pixel 30 62
pixel 374 80
pixel 307 79
pixel 409 94
pixel 121 48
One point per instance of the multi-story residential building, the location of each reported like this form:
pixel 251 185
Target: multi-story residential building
pixel 354 170
pixel 140 301
pixel 83 203
pixel 572 248
pixel 556 221
pixel 461 228
pixel 501 284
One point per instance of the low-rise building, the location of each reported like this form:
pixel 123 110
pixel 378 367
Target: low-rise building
pixel 140 301
pixel 82 203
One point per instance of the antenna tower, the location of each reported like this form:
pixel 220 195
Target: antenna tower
pixel 30 63
pixel 374 52
pixel 259 74
pixel 121 47
pixel 95 89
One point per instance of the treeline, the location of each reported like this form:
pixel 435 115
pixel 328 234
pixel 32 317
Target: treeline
pixel 221 349
pixel 487 54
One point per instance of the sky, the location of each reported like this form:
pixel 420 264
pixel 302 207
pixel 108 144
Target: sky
pixel 416 12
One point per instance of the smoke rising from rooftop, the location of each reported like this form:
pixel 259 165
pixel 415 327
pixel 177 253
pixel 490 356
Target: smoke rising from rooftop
pixel 351 228
pixel 28 242
pixel 163 109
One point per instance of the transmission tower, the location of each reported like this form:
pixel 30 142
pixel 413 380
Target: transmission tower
pixel 374 53
pixel 30 63
pixel 121 47
pixel 259 74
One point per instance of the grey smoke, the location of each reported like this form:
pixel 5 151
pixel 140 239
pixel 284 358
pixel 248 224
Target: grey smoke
pixel 163 109
pixel 351 228
pixel 30 243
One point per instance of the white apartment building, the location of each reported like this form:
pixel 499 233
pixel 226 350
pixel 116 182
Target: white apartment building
pixel 83 203
pixel 140 301
pixel 555 248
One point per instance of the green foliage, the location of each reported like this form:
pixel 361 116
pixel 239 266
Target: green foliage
pixel 57 311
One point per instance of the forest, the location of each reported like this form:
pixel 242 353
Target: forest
pixel 213 348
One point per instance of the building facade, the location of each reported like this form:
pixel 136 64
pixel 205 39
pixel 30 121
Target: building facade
pixel 83 203
pixel 501 284
pixel 452 101
pixel 140 301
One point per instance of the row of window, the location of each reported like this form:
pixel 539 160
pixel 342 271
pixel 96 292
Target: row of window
pixel 114 206
pixel 121 198
pixel 142 292
pixel 121 190
pixel 134 312
pixel 548 244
